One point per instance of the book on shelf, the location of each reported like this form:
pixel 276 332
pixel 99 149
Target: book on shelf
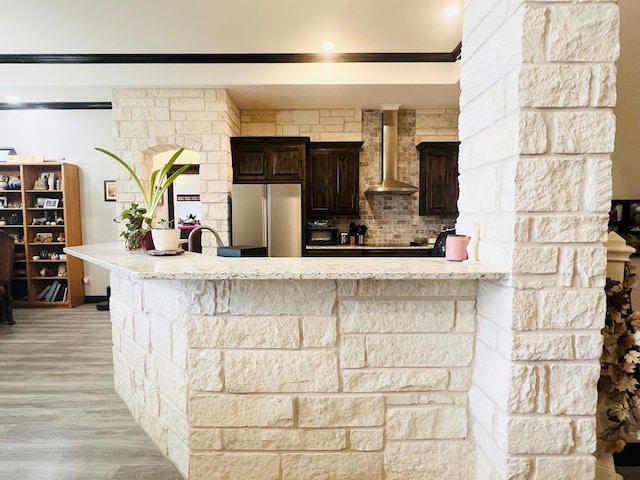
pixel 60 293
pixel 43 292
pixel 64 296
pixel 52 291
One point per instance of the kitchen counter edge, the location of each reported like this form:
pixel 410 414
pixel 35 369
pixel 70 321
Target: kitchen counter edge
pixel 194 266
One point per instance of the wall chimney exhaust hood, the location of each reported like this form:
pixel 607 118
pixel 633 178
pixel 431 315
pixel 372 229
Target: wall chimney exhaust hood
pixel 390 182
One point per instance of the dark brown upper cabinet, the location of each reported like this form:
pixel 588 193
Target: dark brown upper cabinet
pixel 268 159
pixel 438 177
pixel 333 178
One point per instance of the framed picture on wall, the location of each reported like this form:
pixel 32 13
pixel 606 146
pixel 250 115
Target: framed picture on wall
pixel 110 192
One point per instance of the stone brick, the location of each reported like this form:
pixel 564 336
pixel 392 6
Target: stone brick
pixel 178 453
pixel 152 425
pixel 387 380
pixel 341 411
pixel 224 466
pixel 281 371
pixel 524 310
pixel 284 117
pixel 532 133
pixel 176 420
pixel 572 389
pixel 245 332
pixel 524 391
pixel 571 229
pixel 401 399
pixel 347 288
pixel 540 435
pixel 588 345
pixel 134 354
pixel 169 378
pixel 584 33
pixel 240 411
pixel 416 288
pixel 532 346
pixel 585 435
pixel 160 332
pixel 284 439
pixel 528 259
pixel 318 332
pixel 465 316
pixel 547 85
pixel 459 379
pixel 369 440
pixel 352 351
pixel 390 316
pixel 187 104
pixel 205 439
pixel 573 309
pixel 571 468
pixel 597 185
pixel 282 297
pixel 591 266
pixel 205 370
pixel 425 422
pixel 533 39
pixel 419 350
pixel 584 131
pixel 547 185
pixel 326 466
pixel 414 460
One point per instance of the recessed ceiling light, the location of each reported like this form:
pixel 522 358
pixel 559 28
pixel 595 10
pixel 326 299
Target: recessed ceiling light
pixel 11 98
pixel 451 11
pixel 328 46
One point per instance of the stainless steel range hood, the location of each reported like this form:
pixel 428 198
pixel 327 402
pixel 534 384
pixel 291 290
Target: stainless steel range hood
pixel 390 182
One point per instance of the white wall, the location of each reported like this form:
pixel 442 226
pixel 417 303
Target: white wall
pixel 73 134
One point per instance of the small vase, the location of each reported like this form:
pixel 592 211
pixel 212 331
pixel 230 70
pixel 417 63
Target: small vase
pixel 147 242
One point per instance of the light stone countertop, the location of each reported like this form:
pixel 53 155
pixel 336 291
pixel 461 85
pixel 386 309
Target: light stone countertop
pixel 138 264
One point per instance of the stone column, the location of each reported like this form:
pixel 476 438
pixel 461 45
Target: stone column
pixel 148 121
pixel 537 129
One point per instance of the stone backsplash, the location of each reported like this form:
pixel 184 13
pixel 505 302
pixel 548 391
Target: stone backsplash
pixel 393 219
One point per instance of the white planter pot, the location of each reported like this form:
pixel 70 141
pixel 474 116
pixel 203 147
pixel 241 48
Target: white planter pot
pixel 166 239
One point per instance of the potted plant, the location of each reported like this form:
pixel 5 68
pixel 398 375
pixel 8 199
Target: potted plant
pixel 158 184
pixel 137 226
pixel 165 237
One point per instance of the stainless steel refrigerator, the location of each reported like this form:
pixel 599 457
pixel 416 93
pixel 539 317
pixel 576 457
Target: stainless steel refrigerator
pixel 268 215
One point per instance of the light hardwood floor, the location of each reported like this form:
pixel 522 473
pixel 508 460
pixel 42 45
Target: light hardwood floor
pixel 60 418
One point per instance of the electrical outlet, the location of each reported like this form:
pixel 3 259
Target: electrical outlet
pixel 86 280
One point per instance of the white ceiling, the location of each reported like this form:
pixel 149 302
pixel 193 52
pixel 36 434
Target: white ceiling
pixel 236 26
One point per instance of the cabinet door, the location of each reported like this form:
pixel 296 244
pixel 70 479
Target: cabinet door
pixel 320 183
pixel 438 177
pixel 287 163
pixel 249 164
pixel 347 183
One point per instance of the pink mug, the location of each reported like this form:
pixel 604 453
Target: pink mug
pixel 456 248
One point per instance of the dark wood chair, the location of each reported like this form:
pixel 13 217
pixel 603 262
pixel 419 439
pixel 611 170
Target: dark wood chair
pixel 7 246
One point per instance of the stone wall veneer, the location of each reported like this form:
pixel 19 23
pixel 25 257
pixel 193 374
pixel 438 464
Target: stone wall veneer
pixel 538 87
pixel 348 389
pixel 148 121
